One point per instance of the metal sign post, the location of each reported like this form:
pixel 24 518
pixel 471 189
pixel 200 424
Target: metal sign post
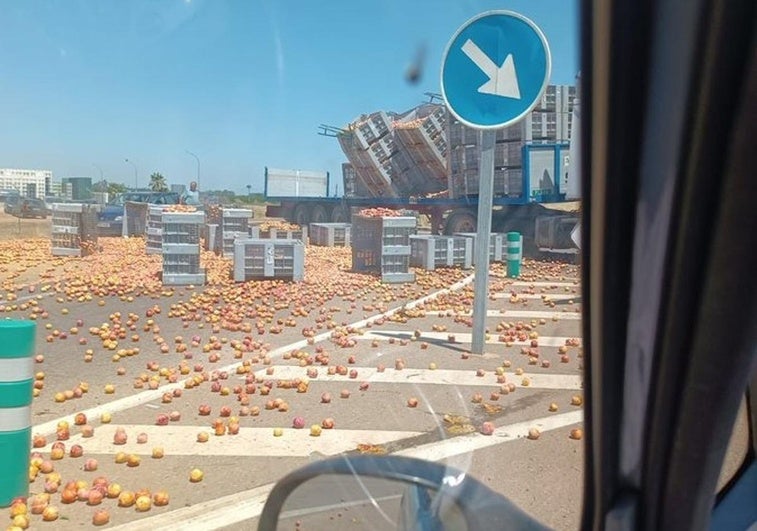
pixel 494 72
pixel 483 237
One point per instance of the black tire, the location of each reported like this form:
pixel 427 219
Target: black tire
pixel 301 215
pixel 319 214
pixel 462 221
pixel 340 214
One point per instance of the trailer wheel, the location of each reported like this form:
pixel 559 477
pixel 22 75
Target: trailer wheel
pixel 340 215
pixel 319 214
pixel 301 215
pixel 463 221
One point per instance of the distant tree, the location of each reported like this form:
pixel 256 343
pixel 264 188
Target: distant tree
pixel 100 186
pixel 158 182
pixel 116 188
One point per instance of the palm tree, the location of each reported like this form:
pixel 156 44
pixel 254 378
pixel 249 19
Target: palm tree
pixel 158 182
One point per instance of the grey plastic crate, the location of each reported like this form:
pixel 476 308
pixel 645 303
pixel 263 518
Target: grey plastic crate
pixel 300 234
pixel 259 258
pixel 382 245
pixel 181 258
pixel 73 229
pixel 181 279
pixel 497 246
pixel 135 219
pixel 227 243
pixel 431 252
pixel 330 234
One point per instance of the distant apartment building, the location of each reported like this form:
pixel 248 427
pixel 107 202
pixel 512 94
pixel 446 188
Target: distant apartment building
pixel 28 183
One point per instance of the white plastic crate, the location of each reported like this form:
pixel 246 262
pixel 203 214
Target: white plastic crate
pixel 258 258
pixel 497 246
pixel 330 234
pixel 431 252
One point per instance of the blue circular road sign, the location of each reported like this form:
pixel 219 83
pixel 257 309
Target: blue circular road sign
pixel 495 69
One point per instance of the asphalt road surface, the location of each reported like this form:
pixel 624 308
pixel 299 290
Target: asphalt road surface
pixel 247 366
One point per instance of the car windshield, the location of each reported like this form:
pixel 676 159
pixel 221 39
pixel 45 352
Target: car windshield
pixel 313 294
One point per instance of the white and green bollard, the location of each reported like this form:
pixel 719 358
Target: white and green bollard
pixel 514 253
pixel 16 382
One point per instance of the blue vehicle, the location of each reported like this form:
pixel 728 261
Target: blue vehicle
pixel 110 219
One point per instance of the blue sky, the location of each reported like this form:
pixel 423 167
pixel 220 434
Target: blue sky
pixel 241 83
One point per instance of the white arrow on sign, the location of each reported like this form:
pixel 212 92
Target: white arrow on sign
pixel 502 79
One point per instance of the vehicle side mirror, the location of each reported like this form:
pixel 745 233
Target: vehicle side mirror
pixel 387 492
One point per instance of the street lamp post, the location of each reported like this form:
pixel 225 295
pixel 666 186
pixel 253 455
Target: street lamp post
pixel 198 166
pixel 136 177
pixel 101 171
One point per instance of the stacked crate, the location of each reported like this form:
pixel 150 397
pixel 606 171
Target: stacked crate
pixel 382 245
pixel 260 259
pixel 181 247
pixel 235 223
pixel 135 218
pixel 154 241
pixel 431 252
pixel 497 246
pixel 330 234
pixel 213 221
pixel 74 229
pixel 550 122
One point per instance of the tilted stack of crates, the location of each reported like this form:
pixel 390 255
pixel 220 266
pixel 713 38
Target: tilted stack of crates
pixel 382 245
pixel 74 229
pixel 432 252
pixel 260 259
pixel 235 223
pixel 330 234
pixel 181 248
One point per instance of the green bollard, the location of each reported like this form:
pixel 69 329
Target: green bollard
pixel 16 382
pixel 514 253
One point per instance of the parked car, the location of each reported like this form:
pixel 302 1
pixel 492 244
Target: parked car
pixel 27 207
pixel 110 219
pixel 10 202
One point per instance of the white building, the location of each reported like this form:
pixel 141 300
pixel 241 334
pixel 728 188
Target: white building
pixel 31 183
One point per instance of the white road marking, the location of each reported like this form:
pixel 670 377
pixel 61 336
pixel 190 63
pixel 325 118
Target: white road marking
pixel 539 296
pixel 144 397
pixel 249 442
pixel 468 443
pixel 432 377
pixel 238 507
pixel 529 314
pixel 545 284
pixel 460 337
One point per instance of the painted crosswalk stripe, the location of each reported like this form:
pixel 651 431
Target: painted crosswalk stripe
pixel 249 442
pixel 432 377
pixel 241 506
pixel 539 296
pixel 544 284
pixel 529 314
pixel 460 337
